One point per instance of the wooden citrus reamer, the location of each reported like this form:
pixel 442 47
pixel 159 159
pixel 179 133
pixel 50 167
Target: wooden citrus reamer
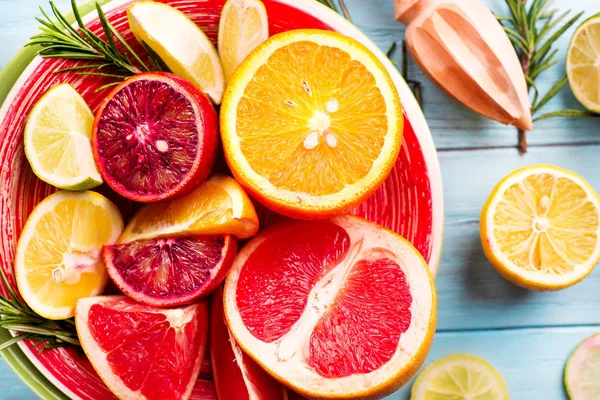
pixel 463 48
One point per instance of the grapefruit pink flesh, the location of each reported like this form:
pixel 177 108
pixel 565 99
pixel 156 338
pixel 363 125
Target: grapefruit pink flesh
pixel 143 352
pixel 360 330
pixel 154 137
pixel 170 271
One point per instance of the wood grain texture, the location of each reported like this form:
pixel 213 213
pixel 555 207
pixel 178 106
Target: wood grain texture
pixel 527 336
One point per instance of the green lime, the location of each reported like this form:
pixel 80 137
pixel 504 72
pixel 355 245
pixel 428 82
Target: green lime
pixel 458 377
pixel 57 140
pixel 582 372
pixel 583 64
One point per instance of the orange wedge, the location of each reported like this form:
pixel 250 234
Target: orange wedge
pixel 311 123
pixel 217 207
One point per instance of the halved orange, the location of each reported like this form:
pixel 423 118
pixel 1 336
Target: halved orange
pixel 311 123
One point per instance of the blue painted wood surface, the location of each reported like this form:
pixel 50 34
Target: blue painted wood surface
pixel 527 336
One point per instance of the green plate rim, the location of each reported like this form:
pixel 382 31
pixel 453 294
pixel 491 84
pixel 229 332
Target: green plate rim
pixel 14 356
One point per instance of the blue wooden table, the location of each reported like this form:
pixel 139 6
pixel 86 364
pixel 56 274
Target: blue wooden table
pixel 526 336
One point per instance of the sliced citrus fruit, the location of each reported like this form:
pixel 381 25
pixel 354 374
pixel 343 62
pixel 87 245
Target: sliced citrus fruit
pixel 143 352
pixel 582 372
pixel 243 26
pixel 305 143
pixel 236 375
pixel 459 377
pixel 333 309
pixel 155 137
pixel 583 67
pixel 171 271
pixel 57 140
pixel 180 43
pixel 219 206
pixel 58 258
pixel 540 228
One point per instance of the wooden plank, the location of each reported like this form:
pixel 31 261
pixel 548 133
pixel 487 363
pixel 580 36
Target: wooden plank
pixel 454 126
pixel 471 293
pixel 530 360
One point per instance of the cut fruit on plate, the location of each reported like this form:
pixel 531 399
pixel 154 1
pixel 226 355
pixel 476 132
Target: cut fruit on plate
pixel 235 374
pixel 307 144
pixel 155 137
pixel 582 372
pixel 459 377
pixel 217 207
pixel 180 44
pixel 57 140
pixel 170 272
pixel 243 26
pixel 540 228
pixel 583 69
pixel 58 259
pixel 142 352
pixel 333 309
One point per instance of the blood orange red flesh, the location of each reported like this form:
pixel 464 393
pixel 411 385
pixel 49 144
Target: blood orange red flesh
pixel 334 309
pixel 155 137
pixel 143 352
pixel 167 272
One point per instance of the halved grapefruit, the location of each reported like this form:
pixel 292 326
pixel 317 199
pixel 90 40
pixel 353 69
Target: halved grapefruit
pixel 142 352
pixel 333 309
pixel 235 374
pixel 171 271
pixel 154 137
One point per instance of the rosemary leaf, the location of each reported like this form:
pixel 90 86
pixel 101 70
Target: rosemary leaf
pixel 551 93
pixel 567 114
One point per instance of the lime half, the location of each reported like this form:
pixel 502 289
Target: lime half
pixel 583 64
pixel 582 372
pixel 57 140
pixel 458 377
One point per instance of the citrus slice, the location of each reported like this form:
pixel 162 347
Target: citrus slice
pixel 243 26
pixel 583 67
pixel 540 228
pixel 155 137
pixel 459 377
pixel 217 207
pixel 241 379
pixel 171 271
pixel 58 259
pixel 180 43
pixel 306 143
pixel 582 372
pixel 333 309
pixel 57 140
pixel 142 352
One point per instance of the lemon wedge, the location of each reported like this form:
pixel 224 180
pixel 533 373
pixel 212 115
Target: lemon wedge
pixel 180 43
pixel 58 258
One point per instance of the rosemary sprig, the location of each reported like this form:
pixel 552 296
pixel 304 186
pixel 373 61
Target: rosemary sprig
pixel 342 5
pixel 16 316
pixel 112 57
pixel 533 31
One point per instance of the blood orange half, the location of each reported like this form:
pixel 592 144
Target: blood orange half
pixel 235 374
pixel 142 352
pixel 155 137
pixel 334 309
pixel 167 272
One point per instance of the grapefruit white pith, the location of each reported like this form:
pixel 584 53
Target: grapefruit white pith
pixel 333 309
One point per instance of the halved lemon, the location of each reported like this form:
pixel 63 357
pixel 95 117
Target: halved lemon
pixel 57 140
pixel 217 207
pixel 311 123
pixel 459 377
pixel 58 258
pixel 180 43
pixel 243 26
pixel 540 228
pixel 583 64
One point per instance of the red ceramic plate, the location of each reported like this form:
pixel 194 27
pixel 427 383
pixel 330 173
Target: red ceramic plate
pixel 410 201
